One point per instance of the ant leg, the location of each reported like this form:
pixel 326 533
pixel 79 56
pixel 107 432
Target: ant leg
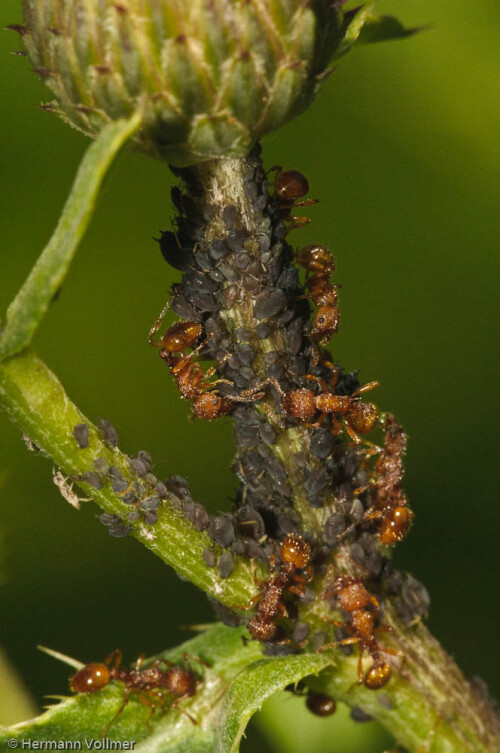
pixel 187 658
pixel 147 700
pixel 320 381
pixel 304 203
pixel 278 169
pixel 366 387
pixel 336 425
pixel 374 448
pixel 355 437
pixel 392 651
pixel 283 611
pixel 156 326
pixel 115 658
pixel 297 222
pixel 318 421
pixel 126 698
pixel 360 667
pixel 139 661
pixel 255 393
pixel 176 706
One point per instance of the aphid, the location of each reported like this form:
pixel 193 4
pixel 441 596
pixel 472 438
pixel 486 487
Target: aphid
pixel 294 554
pixel 333 528
pixel 322 443
pixel 81 434
pixel 209 557
pixel 108 432
pixel 289 186
pixel 119 486
pixel 93 479
pixel 226 564
pixel 269 303
pixel 174 251
pixel 138 466
pixel 300 632
pixel 153 685
pixel 120 530
pixel 320 704
pixel 221 530
pixel 358 715
pixel 363 610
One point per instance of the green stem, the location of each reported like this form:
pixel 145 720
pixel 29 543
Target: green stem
pixel 32 301
pixel 36 401
pixel 429 706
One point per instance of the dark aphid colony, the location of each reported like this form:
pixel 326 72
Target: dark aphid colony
pixel 243 307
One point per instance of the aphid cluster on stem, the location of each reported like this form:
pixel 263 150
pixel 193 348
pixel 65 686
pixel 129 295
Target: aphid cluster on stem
pixel 311 475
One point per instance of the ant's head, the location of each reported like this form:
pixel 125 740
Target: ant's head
pixel 90 678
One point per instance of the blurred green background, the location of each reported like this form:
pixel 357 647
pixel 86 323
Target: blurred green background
pixel 402 149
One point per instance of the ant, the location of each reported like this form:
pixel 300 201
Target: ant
pixel 294 554
pixel 288 187
pixel 319 260
pixel 390 501
pixel 192 381
pixel 150 684
pixel 179 337
pixel 358 417
pixel 364 613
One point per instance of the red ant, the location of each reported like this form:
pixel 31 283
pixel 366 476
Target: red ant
pixel 390 504
pixel 151 684
pixel 179 337
pixel 192 381
pixel 364 612
pixel 390 500
pixel 319 260
pixel 288 187
pixel 358 417
pixel 294 554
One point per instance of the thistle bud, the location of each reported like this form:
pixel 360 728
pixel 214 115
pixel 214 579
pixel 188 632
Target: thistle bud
pixel 210 77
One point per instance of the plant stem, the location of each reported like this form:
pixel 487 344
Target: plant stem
pixel 35 400
pixel 427 699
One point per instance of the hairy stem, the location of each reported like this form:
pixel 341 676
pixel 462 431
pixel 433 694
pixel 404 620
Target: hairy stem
pixel 35 400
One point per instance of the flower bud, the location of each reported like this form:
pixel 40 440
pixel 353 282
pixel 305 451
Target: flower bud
pixel 210 77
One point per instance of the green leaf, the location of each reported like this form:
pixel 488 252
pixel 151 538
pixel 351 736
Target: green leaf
pixel 383 29
pixel 254 685
pixel 234 681
pixel 363 26
pixel 31 303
